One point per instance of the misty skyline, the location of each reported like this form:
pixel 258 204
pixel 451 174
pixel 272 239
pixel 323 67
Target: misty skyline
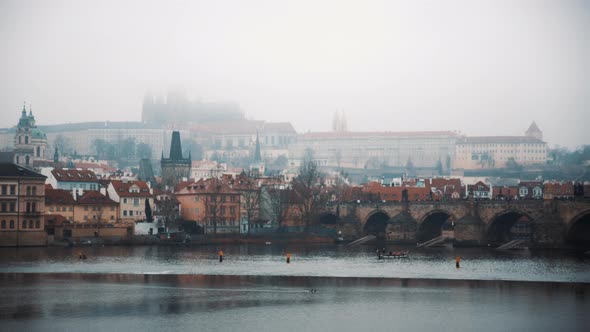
pixel 478 67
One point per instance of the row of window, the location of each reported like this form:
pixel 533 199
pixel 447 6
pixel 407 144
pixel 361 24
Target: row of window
pixel 11 190
pixel 95 217
pixel 26 224
pixel 134 200
pixel 5 189
pixel 8 207
pixel 131 212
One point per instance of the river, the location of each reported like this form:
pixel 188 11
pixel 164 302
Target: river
pixel 324 288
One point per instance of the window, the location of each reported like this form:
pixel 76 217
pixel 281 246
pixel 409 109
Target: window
pixel 33 207
pixel 85 217
pixel 12 224
pixel 13 190
pixel 125 200
pixel 112 217
pixel 136 201
pixel 30 224
pixel 85 208
pixel 28 191
pixel 232 199
pixel 524 191
pixel 232 210
pixel 3 207
pixel 124 213
pixel 12 207
pixel 4 189
pixel 37 224
pixel 130 213
pixel 34 191
pixel 112 208
pixel 3 225
pixel 24 225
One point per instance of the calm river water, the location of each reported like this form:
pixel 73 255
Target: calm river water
pixel 324 288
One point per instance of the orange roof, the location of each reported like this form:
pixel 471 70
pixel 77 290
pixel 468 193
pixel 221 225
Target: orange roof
pixel 74 175
pixel 95 198
pixel 58 196
pixel 123 188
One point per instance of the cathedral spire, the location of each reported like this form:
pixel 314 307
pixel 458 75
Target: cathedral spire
pixel 257 156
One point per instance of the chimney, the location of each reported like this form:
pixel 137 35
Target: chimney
pixel 80 191
pixel 103 191
pixel 74 193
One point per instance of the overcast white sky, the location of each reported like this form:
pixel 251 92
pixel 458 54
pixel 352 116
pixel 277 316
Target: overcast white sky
pixel 479 67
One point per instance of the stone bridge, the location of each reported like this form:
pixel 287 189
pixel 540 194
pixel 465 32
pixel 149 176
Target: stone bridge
pixel 543 223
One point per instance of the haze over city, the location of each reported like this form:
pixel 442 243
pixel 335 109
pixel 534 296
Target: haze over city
pixel 478 67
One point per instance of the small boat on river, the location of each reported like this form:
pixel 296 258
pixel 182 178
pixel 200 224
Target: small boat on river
pixel 394 254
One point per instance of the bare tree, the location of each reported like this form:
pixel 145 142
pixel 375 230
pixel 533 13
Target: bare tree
pixel 214 202
pixel 310 190
pixel 251 203
pixel 276 203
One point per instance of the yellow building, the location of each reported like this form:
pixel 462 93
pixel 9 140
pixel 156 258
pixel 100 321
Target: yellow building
pixel 501 151
pixel 22 204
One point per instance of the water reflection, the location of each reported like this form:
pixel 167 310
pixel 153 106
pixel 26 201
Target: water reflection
pixel 67 301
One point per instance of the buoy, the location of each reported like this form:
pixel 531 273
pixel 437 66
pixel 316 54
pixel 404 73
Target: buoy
pixel 458 261
pixel 220 256
pixel 288 258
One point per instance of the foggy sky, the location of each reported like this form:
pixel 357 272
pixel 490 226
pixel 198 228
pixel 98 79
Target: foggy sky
pixel 478 67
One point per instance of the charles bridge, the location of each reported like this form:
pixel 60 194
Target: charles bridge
pixel 542 223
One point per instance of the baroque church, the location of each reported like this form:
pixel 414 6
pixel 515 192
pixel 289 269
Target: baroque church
pixel 30 143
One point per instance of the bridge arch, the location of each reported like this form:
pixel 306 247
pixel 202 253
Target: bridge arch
pixel 376 223
pixel 509 225
pixel 578 230
pixel 433 223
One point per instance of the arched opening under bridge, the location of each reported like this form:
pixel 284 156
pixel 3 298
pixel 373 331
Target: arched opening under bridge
pixel 376 224
pixel 509 226
pixel 578 234
pixel 434 224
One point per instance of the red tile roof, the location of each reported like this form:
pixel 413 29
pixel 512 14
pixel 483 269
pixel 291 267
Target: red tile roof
pixel 122 188
pixel 73 175
pixel 95 198
pixel 58 196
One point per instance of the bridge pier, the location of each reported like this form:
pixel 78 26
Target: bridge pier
pixel 469 231
pixel 548 232
pixel 402 229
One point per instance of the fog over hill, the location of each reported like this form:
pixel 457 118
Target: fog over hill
pixel 484 67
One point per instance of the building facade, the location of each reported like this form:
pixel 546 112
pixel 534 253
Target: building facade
pixel 376 149
pixel 22 205
pixel 501 151
pixel 131 197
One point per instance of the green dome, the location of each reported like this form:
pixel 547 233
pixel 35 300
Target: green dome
pixel 36 133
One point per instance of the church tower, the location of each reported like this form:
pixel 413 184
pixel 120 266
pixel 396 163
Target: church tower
pixel 175 168
pixel 30 143
pixel 534 131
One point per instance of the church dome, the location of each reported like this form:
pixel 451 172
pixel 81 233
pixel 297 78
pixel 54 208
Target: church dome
pixel 38 134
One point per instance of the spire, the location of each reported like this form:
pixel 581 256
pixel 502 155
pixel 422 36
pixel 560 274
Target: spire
pixel 30 110
pixel 189 155
pixel 257 156
pixel 24 109
pixel 175 147
pixel 55 156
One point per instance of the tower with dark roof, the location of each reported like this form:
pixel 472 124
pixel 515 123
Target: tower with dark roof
pixel 534 131
pixel 175 168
